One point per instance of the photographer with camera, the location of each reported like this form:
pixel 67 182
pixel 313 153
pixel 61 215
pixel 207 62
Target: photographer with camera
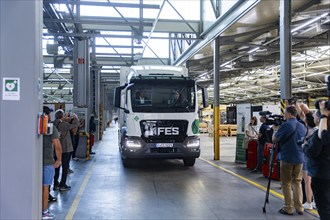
pixel 317 150
pixel 292 157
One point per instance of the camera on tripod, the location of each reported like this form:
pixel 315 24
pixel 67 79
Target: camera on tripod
pixel 327 103
pixel 272 119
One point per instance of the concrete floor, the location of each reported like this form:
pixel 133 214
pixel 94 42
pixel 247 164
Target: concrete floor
pixel 165 189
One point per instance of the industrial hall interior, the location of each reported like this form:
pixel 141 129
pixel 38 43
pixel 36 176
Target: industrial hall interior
pixel 165 109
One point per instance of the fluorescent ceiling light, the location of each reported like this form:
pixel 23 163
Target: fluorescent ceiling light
pixel 253 50
pixel 225 64
pixel 309 22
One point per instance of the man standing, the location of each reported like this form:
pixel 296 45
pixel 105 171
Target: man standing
pixel 49 164
pixel 64 127
pixel 92 130
pixel 292 158
pixel 262 139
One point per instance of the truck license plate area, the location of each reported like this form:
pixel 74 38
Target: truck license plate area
pixel 164 145
pixel 163 150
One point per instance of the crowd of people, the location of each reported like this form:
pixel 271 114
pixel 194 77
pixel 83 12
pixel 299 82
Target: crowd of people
pixel 303 141
pixel 58 149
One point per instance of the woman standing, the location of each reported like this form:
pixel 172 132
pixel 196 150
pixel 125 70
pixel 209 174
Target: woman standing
pixel 318 164
pixel 251 132
pixel 311 128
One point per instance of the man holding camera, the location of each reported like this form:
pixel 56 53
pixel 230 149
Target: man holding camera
pixel 292 157
pixel 317 150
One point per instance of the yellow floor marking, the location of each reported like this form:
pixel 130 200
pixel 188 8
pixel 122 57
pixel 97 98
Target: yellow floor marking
pixel 76 201
pixel 274 193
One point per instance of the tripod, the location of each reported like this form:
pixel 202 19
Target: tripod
pixel 271 167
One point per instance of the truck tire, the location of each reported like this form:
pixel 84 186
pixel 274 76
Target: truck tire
pixel 189 162
pixel 125 162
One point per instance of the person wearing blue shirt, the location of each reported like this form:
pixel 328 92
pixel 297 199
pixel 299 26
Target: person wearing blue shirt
pixel 292 158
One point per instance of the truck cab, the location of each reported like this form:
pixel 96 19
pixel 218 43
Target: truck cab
pixel 158 113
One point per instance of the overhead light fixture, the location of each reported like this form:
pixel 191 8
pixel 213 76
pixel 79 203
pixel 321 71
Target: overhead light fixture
pixel 203 74
pixel 253 50
pixel 225 64
pixel 309 22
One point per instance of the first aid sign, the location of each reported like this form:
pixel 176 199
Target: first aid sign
pixel 11 89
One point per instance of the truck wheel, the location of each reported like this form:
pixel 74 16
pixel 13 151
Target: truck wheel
pixel 189 161
pixel 125 162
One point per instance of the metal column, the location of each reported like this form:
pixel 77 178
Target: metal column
pixel 20 145
pixel 285 48
pixel 81 59
pixel 216 113
pixel 94 96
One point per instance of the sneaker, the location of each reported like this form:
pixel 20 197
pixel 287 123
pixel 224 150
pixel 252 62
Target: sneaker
pixel 56 187
pixel 52 198
pixel 47 215
pixel 65 188
pixel 314 205
pixel 308 206
pixel 300 212
pixel 75 158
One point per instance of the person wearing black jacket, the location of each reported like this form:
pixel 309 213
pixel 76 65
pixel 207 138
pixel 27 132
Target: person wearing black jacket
pixel 92 130
pixel 317 150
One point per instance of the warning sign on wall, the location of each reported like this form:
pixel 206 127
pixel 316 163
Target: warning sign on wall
pixel 81 60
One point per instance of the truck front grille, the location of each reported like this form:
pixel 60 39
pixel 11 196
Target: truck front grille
pixel 166 131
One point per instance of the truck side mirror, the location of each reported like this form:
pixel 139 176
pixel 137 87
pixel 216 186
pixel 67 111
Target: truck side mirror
pixel 205 97
pixel 117 98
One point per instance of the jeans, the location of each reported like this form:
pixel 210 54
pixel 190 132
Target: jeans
pixel 260 156
pixel 75 142
pixel 65 169
pixel 321 192
pixel 291 177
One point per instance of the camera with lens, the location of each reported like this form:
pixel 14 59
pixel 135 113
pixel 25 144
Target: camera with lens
pixel 272 119
pixel 327 103
pixel 292 101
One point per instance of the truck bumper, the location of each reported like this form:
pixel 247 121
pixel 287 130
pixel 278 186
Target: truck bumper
pixel 135 147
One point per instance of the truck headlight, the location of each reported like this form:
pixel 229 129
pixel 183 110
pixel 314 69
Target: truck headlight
pixel 193 143
pixel 133 144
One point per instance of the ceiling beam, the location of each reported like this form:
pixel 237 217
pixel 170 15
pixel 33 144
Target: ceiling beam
pixel 98 22
pixel 102 4
pixel 219 26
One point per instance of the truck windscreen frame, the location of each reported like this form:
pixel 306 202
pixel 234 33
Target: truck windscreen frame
pixel 163 95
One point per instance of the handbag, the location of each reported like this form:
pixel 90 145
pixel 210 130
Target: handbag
pixel 246 141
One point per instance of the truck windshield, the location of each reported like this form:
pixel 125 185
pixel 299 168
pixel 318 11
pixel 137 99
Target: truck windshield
pixel 163 96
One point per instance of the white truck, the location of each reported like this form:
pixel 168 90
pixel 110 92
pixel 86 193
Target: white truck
pixel 158 113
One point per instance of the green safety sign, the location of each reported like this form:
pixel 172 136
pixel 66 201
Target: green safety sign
pixel 11 88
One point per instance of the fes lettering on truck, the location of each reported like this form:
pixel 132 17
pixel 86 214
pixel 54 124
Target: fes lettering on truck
pixel 158 113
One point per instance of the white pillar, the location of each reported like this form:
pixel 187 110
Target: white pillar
pixel 20 145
